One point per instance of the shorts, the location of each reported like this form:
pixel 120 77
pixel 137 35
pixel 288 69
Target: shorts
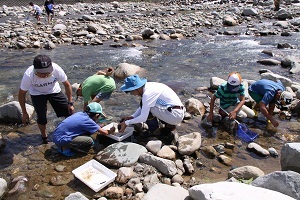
pixel 38 14
pixel 58 101
pixel 103 95
pixel 256 97
pixel 49 11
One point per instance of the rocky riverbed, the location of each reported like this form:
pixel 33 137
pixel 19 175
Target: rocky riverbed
pixel 46 174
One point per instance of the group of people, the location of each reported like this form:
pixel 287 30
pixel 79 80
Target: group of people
pixel 49 8
pixel 42 81
pixel 266 94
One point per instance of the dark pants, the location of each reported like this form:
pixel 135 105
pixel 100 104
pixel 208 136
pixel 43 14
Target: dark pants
pixel 58 101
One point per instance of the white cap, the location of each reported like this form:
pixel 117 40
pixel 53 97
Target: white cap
pixel 75 87
pixel 234 80
pixel 287 97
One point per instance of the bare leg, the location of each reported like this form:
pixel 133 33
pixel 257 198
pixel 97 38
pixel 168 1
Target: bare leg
pixel 42 130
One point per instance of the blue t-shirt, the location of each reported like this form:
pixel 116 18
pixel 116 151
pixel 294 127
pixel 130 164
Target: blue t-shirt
pixel 227 97
pixel 75 125
pixel 267 89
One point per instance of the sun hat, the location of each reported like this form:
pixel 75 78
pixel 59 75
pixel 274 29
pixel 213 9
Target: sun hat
pixel 94 107
pixel 42 64
pixel 287 97
pixel 133 82
pixel 234 80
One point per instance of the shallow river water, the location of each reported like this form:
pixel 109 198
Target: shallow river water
pixel 184 65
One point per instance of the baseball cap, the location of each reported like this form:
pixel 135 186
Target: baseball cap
pixel 286 96
pixel 234 80
pixel 42 64
pixel 94 107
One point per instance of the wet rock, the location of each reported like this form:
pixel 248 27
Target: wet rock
pixel 188 166
pixel 2 143
pixel 166 152
pixel 167 167
pixel 233 190
pixel 285 182
pixel 60 168
pixel 59 180
pixel 163 191
pixel 269 62
pixel 125 69
pixel 114 192
pixel 189 143
pixel 124 174
pixel 257 149
pixel 20 185
pixel 209 152
pixel 3 186
pixel 120 154
pixel 290 157
pixel 154 146
pixel 77 196
pixel 12 113
pixel 194 106
pixel 246 172
pixel 225 160
pixel 273 152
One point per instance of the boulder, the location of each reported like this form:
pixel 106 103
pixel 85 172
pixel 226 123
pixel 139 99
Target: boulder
pixel 12 113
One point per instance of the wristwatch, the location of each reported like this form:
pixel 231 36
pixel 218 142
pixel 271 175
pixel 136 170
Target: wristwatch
pixel 71 103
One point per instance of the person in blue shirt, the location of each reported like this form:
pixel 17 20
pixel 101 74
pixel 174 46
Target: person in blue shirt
pixel 232 99
pixel 49 7
pixel 75 131
pixel 269 93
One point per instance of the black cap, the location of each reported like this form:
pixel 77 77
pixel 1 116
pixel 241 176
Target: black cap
pixel 42 64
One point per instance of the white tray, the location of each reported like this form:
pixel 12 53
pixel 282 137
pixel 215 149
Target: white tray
pixel 119 136
pixel 94 174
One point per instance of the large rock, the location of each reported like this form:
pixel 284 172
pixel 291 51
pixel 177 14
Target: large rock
pixel 165 166
pixel 194 106
pixel 12 112
pixel 3 186
pixel 120 154
pixel 246 172
pixel 286 182
pixel 166 192
pixel 189 143
pixel 290 157
pixel 274 77
pixel 125 69
pixel 233 190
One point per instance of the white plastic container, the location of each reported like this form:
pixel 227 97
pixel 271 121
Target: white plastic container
pixel 95 175
pixel 119 136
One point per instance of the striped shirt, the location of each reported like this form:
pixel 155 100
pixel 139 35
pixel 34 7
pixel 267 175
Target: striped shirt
pixel 229 98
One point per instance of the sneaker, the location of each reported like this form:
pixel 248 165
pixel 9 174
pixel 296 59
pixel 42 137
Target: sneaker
pixel 45 140
pixel 66 152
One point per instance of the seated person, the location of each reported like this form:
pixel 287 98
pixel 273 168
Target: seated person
pixel 74 132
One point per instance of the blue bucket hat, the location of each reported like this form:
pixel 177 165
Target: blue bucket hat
pixel 132 83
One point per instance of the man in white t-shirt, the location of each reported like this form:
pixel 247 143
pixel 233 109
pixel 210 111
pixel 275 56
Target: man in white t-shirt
pixel 37 11
pixel 42 81
pixel 157 98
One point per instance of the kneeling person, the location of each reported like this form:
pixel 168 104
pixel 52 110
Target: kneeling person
pixel 74 131
pixel 157 98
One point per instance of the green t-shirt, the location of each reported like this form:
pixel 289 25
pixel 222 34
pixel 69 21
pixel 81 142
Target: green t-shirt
pixel 95 84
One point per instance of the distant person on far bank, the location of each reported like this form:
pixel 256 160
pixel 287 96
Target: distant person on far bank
pixel 37 11
pixel 158 99
pixel 42 81
pixel 267 94
pixel 49 7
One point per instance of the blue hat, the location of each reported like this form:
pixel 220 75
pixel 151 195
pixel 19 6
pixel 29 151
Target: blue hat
pixel 132 83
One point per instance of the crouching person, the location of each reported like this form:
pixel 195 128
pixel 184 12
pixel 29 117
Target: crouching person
pixel 74 132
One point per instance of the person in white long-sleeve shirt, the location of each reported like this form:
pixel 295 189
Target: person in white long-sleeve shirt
pixel 157 98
